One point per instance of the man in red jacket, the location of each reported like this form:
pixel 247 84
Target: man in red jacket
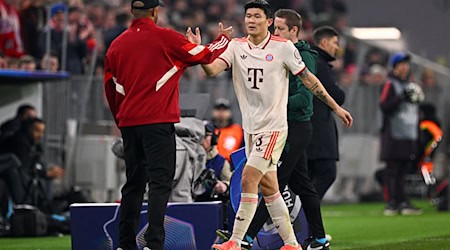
pixel 142 69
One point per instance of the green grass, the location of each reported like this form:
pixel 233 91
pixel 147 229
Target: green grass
pixel 365 227
pixel 355 226
pixel 39 243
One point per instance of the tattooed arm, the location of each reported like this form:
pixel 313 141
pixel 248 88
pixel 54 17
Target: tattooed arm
pixel 316 87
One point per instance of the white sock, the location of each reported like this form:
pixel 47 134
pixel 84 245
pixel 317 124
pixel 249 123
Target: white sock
pixel 244 215
pixel 280 217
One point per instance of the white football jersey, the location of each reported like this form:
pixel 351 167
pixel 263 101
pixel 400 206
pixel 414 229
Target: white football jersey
pixel 261 80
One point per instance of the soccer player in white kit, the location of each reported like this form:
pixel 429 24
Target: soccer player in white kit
pixel 260 64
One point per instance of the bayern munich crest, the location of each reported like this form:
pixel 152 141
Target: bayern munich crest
pixel 269 57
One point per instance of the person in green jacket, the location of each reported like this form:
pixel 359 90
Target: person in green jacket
pixel 293 170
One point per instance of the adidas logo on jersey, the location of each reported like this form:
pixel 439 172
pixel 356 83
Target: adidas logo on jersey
pixel 243 56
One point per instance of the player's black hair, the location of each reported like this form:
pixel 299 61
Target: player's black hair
pixel 260 4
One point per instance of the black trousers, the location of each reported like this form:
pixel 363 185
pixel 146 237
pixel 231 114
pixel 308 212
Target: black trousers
pixel 323 174
pixel 149 157
pixel 394 181
pixel 294 172
pixel 15 180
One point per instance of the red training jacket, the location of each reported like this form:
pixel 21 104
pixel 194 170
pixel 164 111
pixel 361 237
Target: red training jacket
pixel 142 69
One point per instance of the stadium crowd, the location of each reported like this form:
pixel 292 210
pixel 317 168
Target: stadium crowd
pixel 92 25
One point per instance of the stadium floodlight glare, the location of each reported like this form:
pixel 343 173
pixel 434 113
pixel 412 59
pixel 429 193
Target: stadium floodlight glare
pixel 376 33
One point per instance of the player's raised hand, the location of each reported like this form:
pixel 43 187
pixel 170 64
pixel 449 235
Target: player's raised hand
pixel 194 37
pixel 345 116
pixel 227 32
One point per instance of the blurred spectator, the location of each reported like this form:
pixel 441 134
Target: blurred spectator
pixel 27 63
pixel 122 23
pixel 399 135
pixel 77 34
pixel 76 3
pixel 217 187
pixel 49 63
pixel 34 19
pixel 346 76
pixel 230 134
pixel 81 27
pixel 11 126
pixel 375 56
pixel 96 12
pixel 110 19
pixel 10 37
pixel 377 75
pixel 12 63
pixel 430 87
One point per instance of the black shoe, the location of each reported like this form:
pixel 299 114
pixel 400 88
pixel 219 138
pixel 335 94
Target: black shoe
pixel 307 242
pixel 408 209
pixel 318 246
pixel 225 235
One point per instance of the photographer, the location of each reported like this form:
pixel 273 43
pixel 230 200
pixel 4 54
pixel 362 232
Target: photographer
pixel 216 177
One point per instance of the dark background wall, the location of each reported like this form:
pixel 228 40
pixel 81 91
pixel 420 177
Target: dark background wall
pixel 425 24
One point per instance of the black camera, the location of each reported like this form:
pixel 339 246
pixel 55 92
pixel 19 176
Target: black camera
pixel 207 178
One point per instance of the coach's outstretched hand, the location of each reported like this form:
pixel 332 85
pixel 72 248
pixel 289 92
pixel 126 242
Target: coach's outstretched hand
pixel 194 37
pixel 197 38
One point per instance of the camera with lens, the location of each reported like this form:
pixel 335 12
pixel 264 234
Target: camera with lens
pixel 207 178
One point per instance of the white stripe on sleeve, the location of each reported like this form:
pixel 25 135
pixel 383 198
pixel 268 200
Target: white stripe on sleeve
pixel 196 50
pixel 166 77
pixel 119 88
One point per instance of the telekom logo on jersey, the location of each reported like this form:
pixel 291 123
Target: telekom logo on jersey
pixel 255 76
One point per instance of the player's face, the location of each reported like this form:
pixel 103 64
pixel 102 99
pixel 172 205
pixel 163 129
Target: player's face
pixel 282 30
pixel 331 46
pixel 256 22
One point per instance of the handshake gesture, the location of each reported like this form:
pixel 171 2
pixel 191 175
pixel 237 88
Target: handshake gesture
pixel 195 37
